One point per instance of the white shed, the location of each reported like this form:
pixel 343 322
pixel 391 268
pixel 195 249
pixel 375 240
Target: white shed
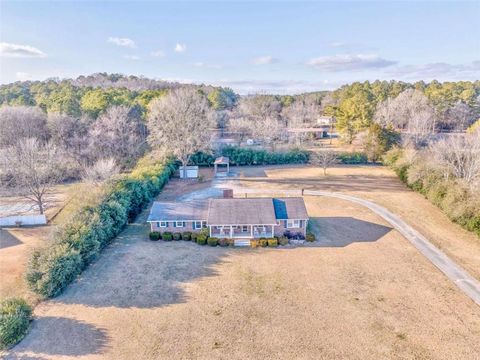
pixel 190 172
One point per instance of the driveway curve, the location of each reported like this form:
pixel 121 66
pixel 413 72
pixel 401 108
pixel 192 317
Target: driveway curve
pixel 462 279
pixel 468 284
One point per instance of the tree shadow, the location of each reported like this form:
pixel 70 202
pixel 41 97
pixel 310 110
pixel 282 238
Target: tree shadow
pixel 7 239
pixel 137 272
pixel 343 231
pixel 61 337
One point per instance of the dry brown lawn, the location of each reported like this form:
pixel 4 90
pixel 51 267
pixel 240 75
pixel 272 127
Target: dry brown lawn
pixel 382 186
pixel 362 292
pixel 16 244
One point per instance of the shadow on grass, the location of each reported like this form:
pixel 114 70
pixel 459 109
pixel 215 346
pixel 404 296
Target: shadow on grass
pixel 7 239
pixel 134 272
pixel 343 231
pixel 61 337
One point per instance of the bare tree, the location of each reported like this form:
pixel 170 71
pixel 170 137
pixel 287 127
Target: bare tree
pixel 70 134
pixel 459 156
pixel 117 133
pixel 20 122
pixel 458 117
pixel 324 158
pixel 181 124
pixel 101 171
pixel 32 169
pixel 300 114
pixel 411 112
pixel 263 113
pixel 242 127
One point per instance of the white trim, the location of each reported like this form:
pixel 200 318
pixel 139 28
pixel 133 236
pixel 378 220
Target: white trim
pixel 293 224
pixel 179 226
pixel 159 224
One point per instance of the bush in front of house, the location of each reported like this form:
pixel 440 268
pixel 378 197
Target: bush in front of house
pixel 254 243
pixel 223 242
pixel 15 317
pixel 193 236
pixel 212 241
pixel 282 240
pixel 202 239
pixel 154 235
pixel 262 242
pixel 177 236
pixel 294 235
pixel 80 240
pixel 167 236
pixel 187 236
pixel 272 242
pixel 310 237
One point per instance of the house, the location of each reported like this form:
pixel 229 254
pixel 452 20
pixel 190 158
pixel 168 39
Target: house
pixel 238 218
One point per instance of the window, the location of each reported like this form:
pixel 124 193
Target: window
pixel 178 223
pixel 244 228
pixel 198 224
pixel 293 224
pixel 162 224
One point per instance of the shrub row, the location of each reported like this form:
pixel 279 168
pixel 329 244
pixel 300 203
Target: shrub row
pixel 203 238
pixel 91 228
pixel 455 199
pixel 247 156
pixel 353 158
pixel 15 317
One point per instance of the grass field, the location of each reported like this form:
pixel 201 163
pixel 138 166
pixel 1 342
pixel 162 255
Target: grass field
pixel 16 244
pixel 363 292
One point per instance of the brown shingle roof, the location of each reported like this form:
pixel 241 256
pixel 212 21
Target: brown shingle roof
pixel 186 211
pixel 255 211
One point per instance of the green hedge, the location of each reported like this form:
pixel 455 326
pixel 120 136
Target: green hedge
pixel 353 158
pixel 453 197
pixel 247 156
pixel 15 317
pixel 91 228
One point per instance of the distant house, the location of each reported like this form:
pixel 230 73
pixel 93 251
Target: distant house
pixel 238 218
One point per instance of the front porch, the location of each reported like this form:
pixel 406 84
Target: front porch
pixel 241 231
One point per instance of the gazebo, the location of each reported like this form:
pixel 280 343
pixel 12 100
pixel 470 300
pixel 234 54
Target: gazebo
pixel 222 160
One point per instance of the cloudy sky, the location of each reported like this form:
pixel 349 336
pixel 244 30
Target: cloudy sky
pixel 280 47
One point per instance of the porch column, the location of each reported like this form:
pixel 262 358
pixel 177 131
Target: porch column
pixel 231 231
pixel 210 231
pixel 251 231
pixel 272 231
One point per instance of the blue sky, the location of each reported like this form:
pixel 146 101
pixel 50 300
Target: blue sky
pixel 280 47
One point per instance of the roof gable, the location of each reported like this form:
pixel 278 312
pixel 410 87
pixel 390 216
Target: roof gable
pixel 290 208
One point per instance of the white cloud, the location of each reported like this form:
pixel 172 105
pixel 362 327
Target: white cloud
pixel 125 42
pixel 245 87
pixel 180 48
pixel 207 66
pixel 20 51
pixel 337 44
pixel 439 70
pixel 158 54
pixel 264 60
pixel 349 62
pixel 23 76
pixel 131 57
